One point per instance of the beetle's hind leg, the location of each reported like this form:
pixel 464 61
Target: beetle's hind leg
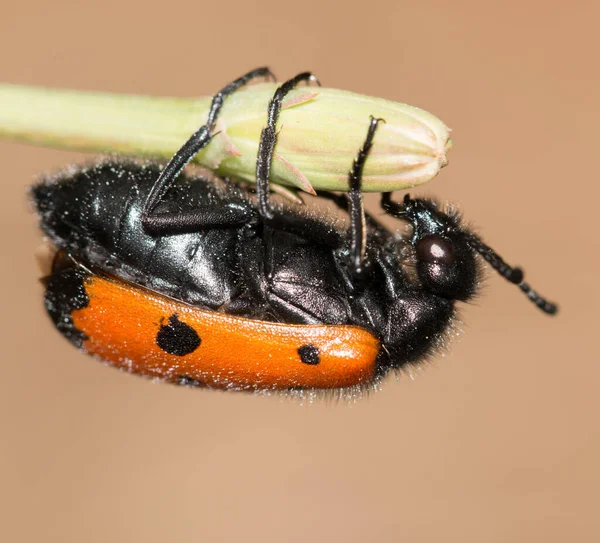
pixel 190 148
pixel 228 215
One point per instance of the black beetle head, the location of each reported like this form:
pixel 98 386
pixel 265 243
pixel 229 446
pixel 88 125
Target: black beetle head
pixel 446 252
pixel 446 264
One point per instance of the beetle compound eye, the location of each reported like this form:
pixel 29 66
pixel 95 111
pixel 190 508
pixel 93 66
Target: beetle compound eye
pixel 435 249
pixel 446 266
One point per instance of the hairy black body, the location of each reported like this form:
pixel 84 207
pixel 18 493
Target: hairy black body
pixel 267 272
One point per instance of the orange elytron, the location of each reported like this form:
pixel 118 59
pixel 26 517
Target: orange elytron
pixel 134 329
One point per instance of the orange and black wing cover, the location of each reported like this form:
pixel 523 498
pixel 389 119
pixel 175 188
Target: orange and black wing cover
pixel 146 333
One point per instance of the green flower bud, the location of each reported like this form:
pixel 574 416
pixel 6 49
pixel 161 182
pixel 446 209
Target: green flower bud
pixel 320 133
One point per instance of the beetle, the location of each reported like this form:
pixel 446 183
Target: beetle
pixel 199 281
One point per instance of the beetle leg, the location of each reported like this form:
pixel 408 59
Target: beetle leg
pixel 394 209
pixel 268 140
pixel 352 203
pixel 358 225
pixel 193 145
pixel 229 215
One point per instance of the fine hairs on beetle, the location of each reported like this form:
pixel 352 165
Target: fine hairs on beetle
pixel 199 281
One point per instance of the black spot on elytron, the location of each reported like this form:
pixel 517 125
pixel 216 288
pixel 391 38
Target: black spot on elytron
pixel 65 293
pixel 186 381
pixel 309 354
pixel 177 338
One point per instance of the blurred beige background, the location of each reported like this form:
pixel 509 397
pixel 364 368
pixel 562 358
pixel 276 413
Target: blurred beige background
pixel 497 441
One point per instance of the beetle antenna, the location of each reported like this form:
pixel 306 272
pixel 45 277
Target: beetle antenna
pixel 514 275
